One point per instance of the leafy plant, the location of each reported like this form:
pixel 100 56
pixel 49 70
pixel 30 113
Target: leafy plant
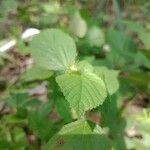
pixel 84 86
pixel 82 82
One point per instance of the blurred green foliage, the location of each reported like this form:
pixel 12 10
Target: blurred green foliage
pixel 113 37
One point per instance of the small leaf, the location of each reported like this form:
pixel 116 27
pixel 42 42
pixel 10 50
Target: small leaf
pixel 36 73
pixel 110 78
pixel 84 66
pixel 53 50
pixel 95 36
pixel 83 91
pixel 78 26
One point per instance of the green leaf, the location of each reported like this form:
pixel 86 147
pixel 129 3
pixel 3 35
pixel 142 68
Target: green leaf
pixel 78 25
pixel 112 118
pixel 83 91
pixel 78 135
pixel 53 50
pixel 36 73
pixel 120 42
pixel 110 78
pixel 17 100
pixel 141 60
pixel 143 35
pixel 145 38
pixel 63 109
pixel 39 122
pixel 84 66
pixel 122 49
pixel 96 36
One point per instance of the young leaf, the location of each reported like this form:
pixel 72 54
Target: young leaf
pixel 110 78
pixel 95 37
pixel 83 91
pixel 53 50
pixel 78 135
pixel 78 25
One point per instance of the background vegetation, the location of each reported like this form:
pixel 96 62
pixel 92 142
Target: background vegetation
pixel 111 34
